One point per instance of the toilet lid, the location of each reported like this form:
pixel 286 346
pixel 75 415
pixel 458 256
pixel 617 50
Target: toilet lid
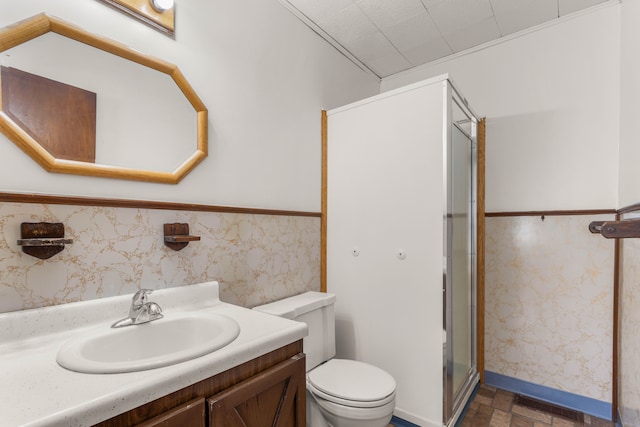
pixel 352 381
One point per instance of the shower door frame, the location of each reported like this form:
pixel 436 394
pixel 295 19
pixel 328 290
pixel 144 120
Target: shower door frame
pixel 454 403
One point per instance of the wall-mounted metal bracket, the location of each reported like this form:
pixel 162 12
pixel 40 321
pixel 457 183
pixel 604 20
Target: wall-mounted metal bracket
pixel 616 229
pixel 176 235
pixel 42 239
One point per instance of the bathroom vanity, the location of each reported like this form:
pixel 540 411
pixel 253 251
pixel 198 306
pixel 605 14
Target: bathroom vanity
pixel 268 387
pixel 261 371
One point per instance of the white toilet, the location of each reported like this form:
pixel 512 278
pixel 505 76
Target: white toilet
pixel 340 393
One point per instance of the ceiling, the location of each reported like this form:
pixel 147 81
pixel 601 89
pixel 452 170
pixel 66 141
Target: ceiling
pixel 389 36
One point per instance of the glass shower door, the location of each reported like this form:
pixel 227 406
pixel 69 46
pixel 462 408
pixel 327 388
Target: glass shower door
pixel 460 374
pixel 461 258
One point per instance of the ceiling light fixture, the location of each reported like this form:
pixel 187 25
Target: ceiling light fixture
pixel 159 14
pixel 161 5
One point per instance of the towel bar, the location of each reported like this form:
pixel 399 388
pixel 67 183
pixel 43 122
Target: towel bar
pixel 616 229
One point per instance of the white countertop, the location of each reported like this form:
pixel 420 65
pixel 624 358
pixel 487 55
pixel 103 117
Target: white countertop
pixel 36 391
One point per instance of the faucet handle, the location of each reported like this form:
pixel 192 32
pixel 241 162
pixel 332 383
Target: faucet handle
pixel 140 297
pixel 155 310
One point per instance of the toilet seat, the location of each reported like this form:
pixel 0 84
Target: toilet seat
pixel 352 383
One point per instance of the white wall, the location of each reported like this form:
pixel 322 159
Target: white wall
pixel 385 192
pixel 630 104
pixel 551 100
pixel 264 77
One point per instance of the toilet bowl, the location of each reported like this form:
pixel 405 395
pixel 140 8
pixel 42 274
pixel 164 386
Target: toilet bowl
pixel 345 416
pixel 349 393
pixel 340 392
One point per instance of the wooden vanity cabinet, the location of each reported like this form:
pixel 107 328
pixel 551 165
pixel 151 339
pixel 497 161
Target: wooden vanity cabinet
pixel 275 397
pixel 191 414
pixel 269 390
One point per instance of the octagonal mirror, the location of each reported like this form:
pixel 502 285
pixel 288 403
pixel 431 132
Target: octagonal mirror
pixel 148 122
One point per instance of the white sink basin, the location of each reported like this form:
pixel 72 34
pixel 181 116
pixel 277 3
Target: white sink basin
pixel 176 338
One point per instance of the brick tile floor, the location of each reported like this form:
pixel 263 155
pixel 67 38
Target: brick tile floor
pixel 496 408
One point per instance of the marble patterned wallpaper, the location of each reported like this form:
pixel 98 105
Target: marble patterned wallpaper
pixel 256 258
pixel 629 337
pixel 549 299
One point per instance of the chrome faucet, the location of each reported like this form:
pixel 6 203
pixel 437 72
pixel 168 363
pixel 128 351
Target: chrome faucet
pixel 141 310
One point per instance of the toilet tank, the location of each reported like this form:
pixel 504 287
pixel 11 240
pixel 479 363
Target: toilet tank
pixel 316 309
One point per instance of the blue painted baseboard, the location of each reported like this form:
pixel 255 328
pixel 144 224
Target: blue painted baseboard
pixel 584 404
pixel 399 422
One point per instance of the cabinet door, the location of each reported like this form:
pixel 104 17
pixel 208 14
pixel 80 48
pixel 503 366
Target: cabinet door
pixel 191 414
pixel 273 398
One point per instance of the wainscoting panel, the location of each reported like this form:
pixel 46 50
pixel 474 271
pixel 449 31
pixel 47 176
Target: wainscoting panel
pixel 549 302
pixel 256 258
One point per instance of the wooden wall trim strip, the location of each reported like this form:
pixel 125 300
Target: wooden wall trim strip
pixel 143 204
pixel 552 213
pixel 480 233
pixel 323 221
pixel 616 307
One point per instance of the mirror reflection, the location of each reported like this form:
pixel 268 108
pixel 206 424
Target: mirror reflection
pixel 146 120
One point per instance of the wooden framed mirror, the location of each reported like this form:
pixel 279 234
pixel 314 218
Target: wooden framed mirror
pixel 151 124
pixel 144 11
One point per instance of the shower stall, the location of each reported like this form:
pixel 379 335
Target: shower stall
pixel 460 272
pixel 401 239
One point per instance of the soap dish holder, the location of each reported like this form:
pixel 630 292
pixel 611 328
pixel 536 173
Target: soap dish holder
pixel 176 236
pixel 42 239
